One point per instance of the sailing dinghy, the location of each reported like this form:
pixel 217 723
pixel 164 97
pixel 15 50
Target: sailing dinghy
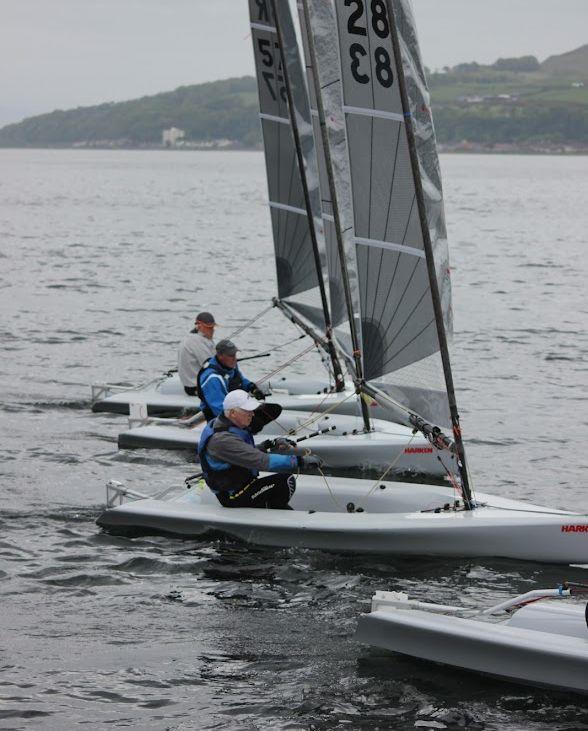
pixel 166 396
pixel 388 237
pixel 543 641
pixel 361 516
pixel 339 440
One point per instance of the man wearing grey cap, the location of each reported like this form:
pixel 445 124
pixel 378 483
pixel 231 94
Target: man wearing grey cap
pixel 219 376
pixel 195 349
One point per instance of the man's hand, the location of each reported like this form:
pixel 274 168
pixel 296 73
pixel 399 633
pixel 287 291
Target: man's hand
pixel 310 461
pixel 256 392
pixel 280 443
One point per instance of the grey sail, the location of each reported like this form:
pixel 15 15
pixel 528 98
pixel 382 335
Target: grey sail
pixel 399 336
pixel 295 264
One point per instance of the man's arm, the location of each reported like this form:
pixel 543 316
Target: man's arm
pixel 247 384
pixel 227 447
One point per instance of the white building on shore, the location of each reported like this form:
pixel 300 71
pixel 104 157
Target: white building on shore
pixel 170 137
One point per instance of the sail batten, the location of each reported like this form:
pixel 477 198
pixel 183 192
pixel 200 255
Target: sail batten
pixel 381 244
pixel 370 112
pixel 272 118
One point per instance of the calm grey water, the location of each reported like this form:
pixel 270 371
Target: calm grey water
pixel 104 259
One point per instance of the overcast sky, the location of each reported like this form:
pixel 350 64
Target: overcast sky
pixel 58 54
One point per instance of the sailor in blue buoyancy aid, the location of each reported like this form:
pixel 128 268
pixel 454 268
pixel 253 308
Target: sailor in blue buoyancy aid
pixel 231 462
pixel 219 376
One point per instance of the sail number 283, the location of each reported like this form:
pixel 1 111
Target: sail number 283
pixel 358 51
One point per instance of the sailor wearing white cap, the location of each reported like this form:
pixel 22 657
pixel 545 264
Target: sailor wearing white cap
pixel 231 462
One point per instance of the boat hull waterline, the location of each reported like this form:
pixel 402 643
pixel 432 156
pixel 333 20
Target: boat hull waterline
pixel 392 522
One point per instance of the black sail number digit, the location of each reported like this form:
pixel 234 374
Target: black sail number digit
pixel 380 19
pixel 384 72
pixel 357 51
pixel 352 26
pixel 264 46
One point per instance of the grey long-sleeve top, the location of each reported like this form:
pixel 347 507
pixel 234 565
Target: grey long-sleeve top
pixel 227 447
pixel 194 350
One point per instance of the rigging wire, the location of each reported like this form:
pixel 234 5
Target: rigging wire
pixel 239 330
pixel 315 416
pixel 390 466
pixel 286 364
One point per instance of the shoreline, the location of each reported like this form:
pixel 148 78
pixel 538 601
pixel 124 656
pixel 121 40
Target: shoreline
pixel 443 149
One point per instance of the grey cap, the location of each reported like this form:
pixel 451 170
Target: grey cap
pixel 226 347
pixel 206 318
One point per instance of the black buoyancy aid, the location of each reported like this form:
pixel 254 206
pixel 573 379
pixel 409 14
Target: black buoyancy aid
pixel 222 476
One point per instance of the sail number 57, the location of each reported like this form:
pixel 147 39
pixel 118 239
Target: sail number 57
pixel 357 50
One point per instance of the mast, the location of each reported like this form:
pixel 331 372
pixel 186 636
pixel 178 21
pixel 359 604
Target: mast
pixel 337 371
pixel 444 349
pixel 359 379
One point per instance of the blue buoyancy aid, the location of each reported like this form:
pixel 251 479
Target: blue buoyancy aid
pixel 214 382
pixel 222 476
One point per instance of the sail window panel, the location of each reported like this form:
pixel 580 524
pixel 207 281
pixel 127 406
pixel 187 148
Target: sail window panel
pixel 398 325
pixel 295 266
pixel 282 166
pixel 308 307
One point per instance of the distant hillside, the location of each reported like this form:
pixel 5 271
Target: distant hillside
pixel 219 110
pixel 514 103
pixel 574 63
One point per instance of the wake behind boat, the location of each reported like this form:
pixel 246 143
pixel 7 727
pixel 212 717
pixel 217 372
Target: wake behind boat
pixel 359 516
pixel 544 642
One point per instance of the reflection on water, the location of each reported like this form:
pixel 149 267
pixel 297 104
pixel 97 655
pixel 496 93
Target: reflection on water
pixel 106 256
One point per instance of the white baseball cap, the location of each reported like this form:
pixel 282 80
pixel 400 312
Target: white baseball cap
pixel 239 399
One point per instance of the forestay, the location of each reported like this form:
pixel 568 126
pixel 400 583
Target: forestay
pixel 400 341
pixel 295 262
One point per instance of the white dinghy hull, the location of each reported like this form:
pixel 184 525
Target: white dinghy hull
pixel 544 645
pixel 391 522
pixel 345 445
pixel 167 398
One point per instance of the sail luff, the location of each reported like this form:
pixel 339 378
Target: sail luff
pixel 284 8
pixel 434 288
pixel 356 352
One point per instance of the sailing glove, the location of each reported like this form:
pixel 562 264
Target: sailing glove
pixel 309 461
pixel 256 392
pixel 280 443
